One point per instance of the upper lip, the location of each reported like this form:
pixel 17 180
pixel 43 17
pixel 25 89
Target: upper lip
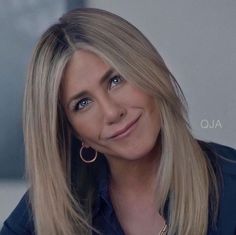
pixel 124 129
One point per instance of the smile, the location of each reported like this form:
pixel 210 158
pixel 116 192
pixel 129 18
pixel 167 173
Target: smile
pixel 124 132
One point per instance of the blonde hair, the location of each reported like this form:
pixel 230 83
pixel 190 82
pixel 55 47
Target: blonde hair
pixel 185 174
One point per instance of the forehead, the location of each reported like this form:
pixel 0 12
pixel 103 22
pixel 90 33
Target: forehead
pixel 84 62
pixel 83 71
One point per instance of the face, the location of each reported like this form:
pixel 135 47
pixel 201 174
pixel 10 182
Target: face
pixel 108 113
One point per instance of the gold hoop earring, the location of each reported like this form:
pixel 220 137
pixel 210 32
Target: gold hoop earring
pixel 83 159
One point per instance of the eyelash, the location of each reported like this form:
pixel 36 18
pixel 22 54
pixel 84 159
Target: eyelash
pixel 77 104
pixel 118 79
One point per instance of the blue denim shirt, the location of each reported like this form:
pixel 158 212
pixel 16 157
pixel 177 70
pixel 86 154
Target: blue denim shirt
pixel 20 221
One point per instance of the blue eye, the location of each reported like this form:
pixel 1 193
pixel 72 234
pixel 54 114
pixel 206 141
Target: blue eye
pixel 114 81
pixel 81 104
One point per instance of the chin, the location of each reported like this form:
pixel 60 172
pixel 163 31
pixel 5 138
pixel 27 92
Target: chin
pixel 141 146
pixel 139 151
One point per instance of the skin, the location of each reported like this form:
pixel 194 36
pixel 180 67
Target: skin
pixel 121 121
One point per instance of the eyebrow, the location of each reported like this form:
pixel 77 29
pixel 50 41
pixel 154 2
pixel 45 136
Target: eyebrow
pixel 104 77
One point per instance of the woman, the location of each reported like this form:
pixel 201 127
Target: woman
pixel 109 148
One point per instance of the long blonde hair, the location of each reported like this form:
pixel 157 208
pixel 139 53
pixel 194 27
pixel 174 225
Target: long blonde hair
pixel 185 175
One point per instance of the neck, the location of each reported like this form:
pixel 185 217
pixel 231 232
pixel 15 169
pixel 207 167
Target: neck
pixel 136 176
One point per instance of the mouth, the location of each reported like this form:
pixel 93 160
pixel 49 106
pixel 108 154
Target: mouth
pixel 124 132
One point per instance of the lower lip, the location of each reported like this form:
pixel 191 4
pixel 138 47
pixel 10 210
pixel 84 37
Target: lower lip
pixel 127 132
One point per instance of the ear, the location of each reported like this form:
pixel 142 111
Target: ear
pixel 84 143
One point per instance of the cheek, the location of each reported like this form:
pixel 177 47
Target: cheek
pixel 152 110
pixel 86 127
pixel 83 129
pixel 146 101
pixel 155 110
pixel 155 115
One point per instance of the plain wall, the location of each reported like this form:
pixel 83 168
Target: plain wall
pixel 21 23
pixel 197 41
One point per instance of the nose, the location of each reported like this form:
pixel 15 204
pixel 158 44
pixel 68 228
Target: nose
pixel 113 111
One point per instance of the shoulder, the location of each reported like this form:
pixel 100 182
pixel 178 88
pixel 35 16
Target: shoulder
pixel 223 155
pixel 225 159
pixel 224 151
pixel 20 221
